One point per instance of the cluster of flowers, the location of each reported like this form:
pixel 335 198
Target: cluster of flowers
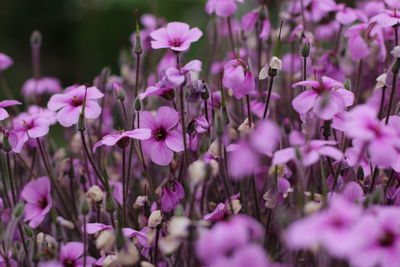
pixel 258 159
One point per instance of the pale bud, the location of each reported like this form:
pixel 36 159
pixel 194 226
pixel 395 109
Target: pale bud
pixel 129 255
pixel 179 226
pixel 275 63
pixel 381 81
pixel 270 199
pixel 110 261
pixel 146 264
pixel 396 52
pixel 169 244
pixel 155 219
pixel 245 128
pixel 312 207
pixel 197 171
pixel 214 149
pixel 139 202
pixel 43 239
pixel 105 241
pixel 65 223
pixel 95 193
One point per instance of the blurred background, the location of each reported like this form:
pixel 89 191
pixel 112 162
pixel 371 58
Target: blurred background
pixel 80 37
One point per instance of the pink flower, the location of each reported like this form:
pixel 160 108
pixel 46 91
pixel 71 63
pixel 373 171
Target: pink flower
pixel 326 98
pixel 69 104
pixel 34 87
pixel 381 141
pixel 164 140
pixel 227 236
pixel 176 77
pixel 27 126
pixel 249 22
pixel 161 89
pixel 250 255
pixel 379 238
pixel 6 103
pixel 330 228
pixel 93 228
pixel 37 195
pixel 5 62
pixel 71 255
pixel 309 152
pixel 222 8
pixel 177 36
pixel 172 193
pixel 122 138
pixel 387 18
pixel 238 77
pixel 393 4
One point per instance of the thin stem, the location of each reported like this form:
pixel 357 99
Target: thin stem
pixel 375 174
pixel 124 187
pixel 36 61
pixel 10 178
pixel 248 110
pixel 182 107
pixel 382 101
pixel 267 100
pixel 228 20
pixel 84 241
pixel 137 77
pixel 358 81
pixel 394 81
pixel 302 15
pixel 21 232
pixel 253 184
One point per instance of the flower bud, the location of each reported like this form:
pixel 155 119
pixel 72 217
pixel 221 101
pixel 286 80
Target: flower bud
pixel 139 202
pixel 18 210
pixel 197 171
pixel 155 219
pixel 110 261
pixel 6 143
pixel 36 39
pixel 138 41
pixel 138 104
pixel 65 223
pixel 85 207
pixel 275 63
pixel 381 81
pixel 146 264
pixel 128 255
pixel 312 207
pixel 396 52
pixel 110 203
pixel 95 193
pixel 305 48
pixel 347 84
pixel 119 92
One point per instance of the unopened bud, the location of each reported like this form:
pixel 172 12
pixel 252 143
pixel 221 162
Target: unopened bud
pixel 138 43
pixel 36 39
pixel 347 84
pixel 275 63
pixel 6 143
pixel 106 240
pixel 396 52
pixel 197 171
pixel 19 210
pixel 205 94
pixel 155 219
pixel 305 48
pixel 110 203
pixel 381 81
pixel 128 255
pixel 119 92
pixel 85 207
pixel 138 104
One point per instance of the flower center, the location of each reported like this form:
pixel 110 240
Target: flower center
pixel 175 42
pixel 160 134
pixel 387 239
pixel 76 101
pixel 69 263
pixel 43 203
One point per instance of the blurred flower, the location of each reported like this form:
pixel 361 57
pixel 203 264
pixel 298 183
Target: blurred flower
pixel 176 76
pixel 172 193
pixel 44 85
pixel 238 77
pixel 5 62
pixel 6 103
pixel 71 255
pixel 37 195
pixel 222 8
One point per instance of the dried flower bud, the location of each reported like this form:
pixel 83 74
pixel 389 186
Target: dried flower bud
pixel 197 171
pixel 65 223
pixel 246 129
pixel 139 202
pixel 128 255
pixel 263 73
pixel 110 261
pixel 179 226
pixel 396 52
pixel 106 240
pixel 146 264
pixel 95 193
pixel 214 149
pixel 381 81
pixel 169 244
pixel 312 207
pixel 155 219
pixel 275 63
pixel 46 240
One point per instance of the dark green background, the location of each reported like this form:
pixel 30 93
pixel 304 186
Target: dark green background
pixel 80 37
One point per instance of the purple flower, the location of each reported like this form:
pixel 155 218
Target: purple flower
pixel 387 18
pixel 381 141
pixel 5 62
pixel 175 77
pixel 250 255
pixel 226 236
pixel 238 77
pixel 309 152
pixel 330 228
pixel 27 126
pixel 122 138
pixel 37 195
pixel 71 255
pixel 34 87
pixel 379 238
pixel 326 98
pixel 222 8
pixel 172 193
pixel 164 140
pixel 161 88
pixel 177 36
pixel 249 22
pixel 69 104
pixel 6 103
pixel 93 228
